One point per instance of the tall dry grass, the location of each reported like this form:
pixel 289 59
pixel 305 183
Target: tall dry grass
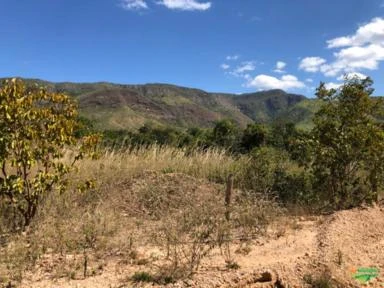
pixel 137 193
pixel 212 164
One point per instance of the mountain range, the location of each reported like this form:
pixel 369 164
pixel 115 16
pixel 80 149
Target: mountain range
pixel 116 106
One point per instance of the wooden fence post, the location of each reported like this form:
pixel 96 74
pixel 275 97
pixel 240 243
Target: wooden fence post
pixel 228 197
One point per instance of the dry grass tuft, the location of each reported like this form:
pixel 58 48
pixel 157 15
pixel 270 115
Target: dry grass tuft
pixel 212 164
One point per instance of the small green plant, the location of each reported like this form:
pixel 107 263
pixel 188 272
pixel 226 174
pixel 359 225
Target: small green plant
pixel 168 170
pixel 232 265
pixel 142 277
pixel 322 281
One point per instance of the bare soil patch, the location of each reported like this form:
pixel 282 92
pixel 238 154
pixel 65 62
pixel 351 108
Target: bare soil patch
pixel 292 248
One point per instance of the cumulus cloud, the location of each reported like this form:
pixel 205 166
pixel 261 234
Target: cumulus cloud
pixel 264 82
pixel 311 64
pixel 355 58
pixel 280 65
pixel 309 80
pixel 225 66
pixel 370 33
pixel 133 4
pixel 186 5
pixel 364 50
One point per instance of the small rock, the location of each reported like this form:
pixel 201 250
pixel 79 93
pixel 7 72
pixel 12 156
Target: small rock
pixel 189 283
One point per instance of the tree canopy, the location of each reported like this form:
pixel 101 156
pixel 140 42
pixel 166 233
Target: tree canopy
pixel 348 144
pixel 35 128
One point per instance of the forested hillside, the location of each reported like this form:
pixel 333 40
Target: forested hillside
pixel 115 107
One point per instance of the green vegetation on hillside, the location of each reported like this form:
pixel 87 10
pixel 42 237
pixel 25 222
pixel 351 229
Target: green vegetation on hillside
pixel 115 107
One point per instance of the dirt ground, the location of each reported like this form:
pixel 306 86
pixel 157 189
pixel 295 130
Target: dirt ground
pixel 336 244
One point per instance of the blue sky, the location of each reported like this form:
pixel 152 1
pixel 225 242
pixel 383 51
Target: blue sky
pixel 217 45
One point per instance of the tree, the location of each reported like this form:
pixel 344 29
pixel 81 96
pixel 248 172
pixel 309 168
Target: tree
pixel 225 133
pixel 35 128
pixel 282 135
pixel 253 136
pixel 348 145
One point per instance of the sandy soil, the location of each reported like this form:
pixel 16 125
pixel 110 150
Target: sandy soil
pixel 335 244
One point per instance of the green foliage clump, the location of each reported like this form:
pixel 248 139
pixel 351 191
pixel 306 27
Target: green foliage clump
pixel 259 174
pixel 347 145
pixel 142 277
pixel 35 128
pixel 224 133
pixel 253 136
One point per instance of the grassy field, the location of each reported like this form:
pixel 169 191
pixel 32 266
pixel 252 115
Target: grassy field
pixel 167 197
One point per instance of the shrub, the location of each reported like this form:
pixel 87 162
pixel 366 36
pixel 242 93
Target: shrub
pixel 142 277
pixel 348 145
pixel 225 133
pixel 35 127
pixel 295 188
pixel 189 236
pixel 259 173
pixel 253 136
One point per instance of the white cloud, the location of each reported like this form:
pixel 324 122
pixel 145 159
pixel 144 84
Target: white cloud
pixel 243 70
pixel 370 33
pixel 332 85
pixel 232 57
pixel 225 66
pixel 311 64
pixel 356 58
pixel 280 65
pixel 309 80
pixel 185 5
pixel 245 67
pixel 364 50
pixel 351 76
pixel 286 82
pixel 133 4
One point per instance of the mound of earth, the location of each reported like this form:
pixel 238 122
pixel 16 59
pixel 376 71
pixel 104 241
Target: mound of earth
pixel 293 248
pixel 351 239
